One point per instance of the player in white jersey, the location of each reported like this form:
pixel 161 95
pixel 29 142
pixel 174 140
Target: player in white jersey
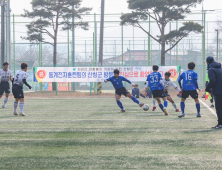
pixel 17 89
pixel 168 84
pixel 5 76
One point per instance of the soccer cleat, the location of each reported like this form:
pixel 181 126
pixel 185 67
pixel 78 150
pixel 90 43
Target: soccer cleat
pixel 22 114
pixel 154 108
pixel 141 104
pixel 182 115
pixel 122 111
pixel 177 110
pixel 165 111
pixel 217 127
pixel 15 113
pixel 212 106
pixel 198 115
pixel 3 106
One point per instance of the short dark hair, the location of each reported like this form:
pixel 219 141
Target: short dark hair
pixel 191 65
pixel 155 67
pixel 116 71
pixel 5 63
pixel 168 74
pixel 24 65
pixel 137 85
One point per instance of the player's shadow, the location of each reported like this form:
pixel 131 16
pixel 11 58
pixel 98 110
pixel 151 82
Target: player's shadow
pixel 205 131
pixel 5 117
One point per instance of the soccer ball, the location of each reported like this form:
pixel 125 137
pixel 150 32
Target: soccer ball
pixel 145 107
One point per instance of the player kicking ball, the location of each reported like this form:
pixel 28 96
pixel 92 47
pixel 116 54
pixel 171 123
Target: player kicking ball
pixel 189 88
pixel 5 75
pixel 167 85
pixel 155 83
pixel 117 80
pixel 17 89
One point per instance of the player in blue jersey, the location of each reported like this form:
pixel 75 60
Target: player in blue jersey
pixel 117 80
pixel 189 88
pixel 156 85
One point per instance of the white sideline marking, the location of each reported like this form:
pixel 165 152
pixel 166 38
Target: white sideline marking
pixel 212 111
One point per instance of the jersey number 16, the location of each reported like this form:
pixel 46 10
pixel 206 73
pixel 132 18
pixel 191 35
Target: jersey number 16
pixel 188 77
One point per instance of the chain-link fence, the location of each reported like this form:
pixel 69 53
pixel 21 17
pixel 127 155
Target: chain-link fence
pixel 123 46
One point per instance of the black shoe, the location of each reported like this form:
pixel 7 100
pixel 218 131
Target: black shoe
pixel 212 106
pixel 198 115
pixel 217 127
pixel 182 115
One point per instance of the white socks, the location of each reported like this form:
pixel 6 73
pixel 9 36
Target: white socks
pixel 174 105
pixel 154 102
pixel 5 101
pixel 21 106
pixel 15 106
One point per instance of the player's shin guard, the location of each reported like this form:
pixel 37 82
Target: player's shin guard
pixel 161 107
pixel 165 103
pixel 5 101
pixel 21 106
pixel 154 102
pixel 182 105
pixel 135 100
pixel 120 105
pixel 198 108
pixel 15 106
pixel 174 105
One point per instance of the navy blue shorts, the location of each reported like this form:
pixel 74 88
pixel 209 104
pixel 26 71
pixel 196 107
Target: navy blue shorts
pixel 17 92
pixel 4 88
pixel 158 93
pixel 122 91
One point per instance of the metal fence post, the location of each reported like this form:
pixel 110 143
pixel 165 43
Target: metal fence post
pixel 204 54
pixel 14 41
pixel 177 45
pixel 149 44
pixel 144 50
pixel 68 54
pixel 129 54
pixel 122 43
pixel 85 52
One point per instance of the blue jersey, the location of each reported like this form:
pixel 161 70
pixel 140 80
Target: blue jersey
pixel 117 82
pixel 189 78
pixel 154 81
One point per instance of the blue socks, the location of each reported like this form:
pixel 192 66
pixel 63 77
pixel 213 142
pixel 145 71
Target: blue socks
pixel 165 103
pixel 182 106
pixel 135 100
pixel 120 105
pixel 161 106
pixel 198 108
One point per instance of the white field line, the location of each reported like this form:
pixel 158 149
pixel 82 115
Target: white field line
pixel 212 111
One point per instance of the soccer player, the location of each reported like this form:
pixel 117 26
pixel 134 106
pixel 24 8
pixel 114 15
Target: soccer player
pixel 17 89
pixel 189 88
pixel 116 80
pixel 167 85
pixel 155 83
pixel 5 75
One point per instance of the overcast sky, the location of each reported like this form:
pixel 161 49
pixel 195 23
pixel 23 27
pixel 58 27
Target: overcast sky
pixel 111 6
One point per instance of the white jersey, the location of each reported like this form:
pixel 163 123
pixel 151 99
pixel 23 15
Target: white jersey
pixel 19 77
pixel 168 84
pixel 5 75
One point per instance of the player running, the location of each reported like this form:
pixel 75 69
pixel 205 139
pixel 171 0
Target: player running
pixel 167 85
pixel 189 88
pixel 116 80
pixel 155 83
pixel 17 89
pixel 5 76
